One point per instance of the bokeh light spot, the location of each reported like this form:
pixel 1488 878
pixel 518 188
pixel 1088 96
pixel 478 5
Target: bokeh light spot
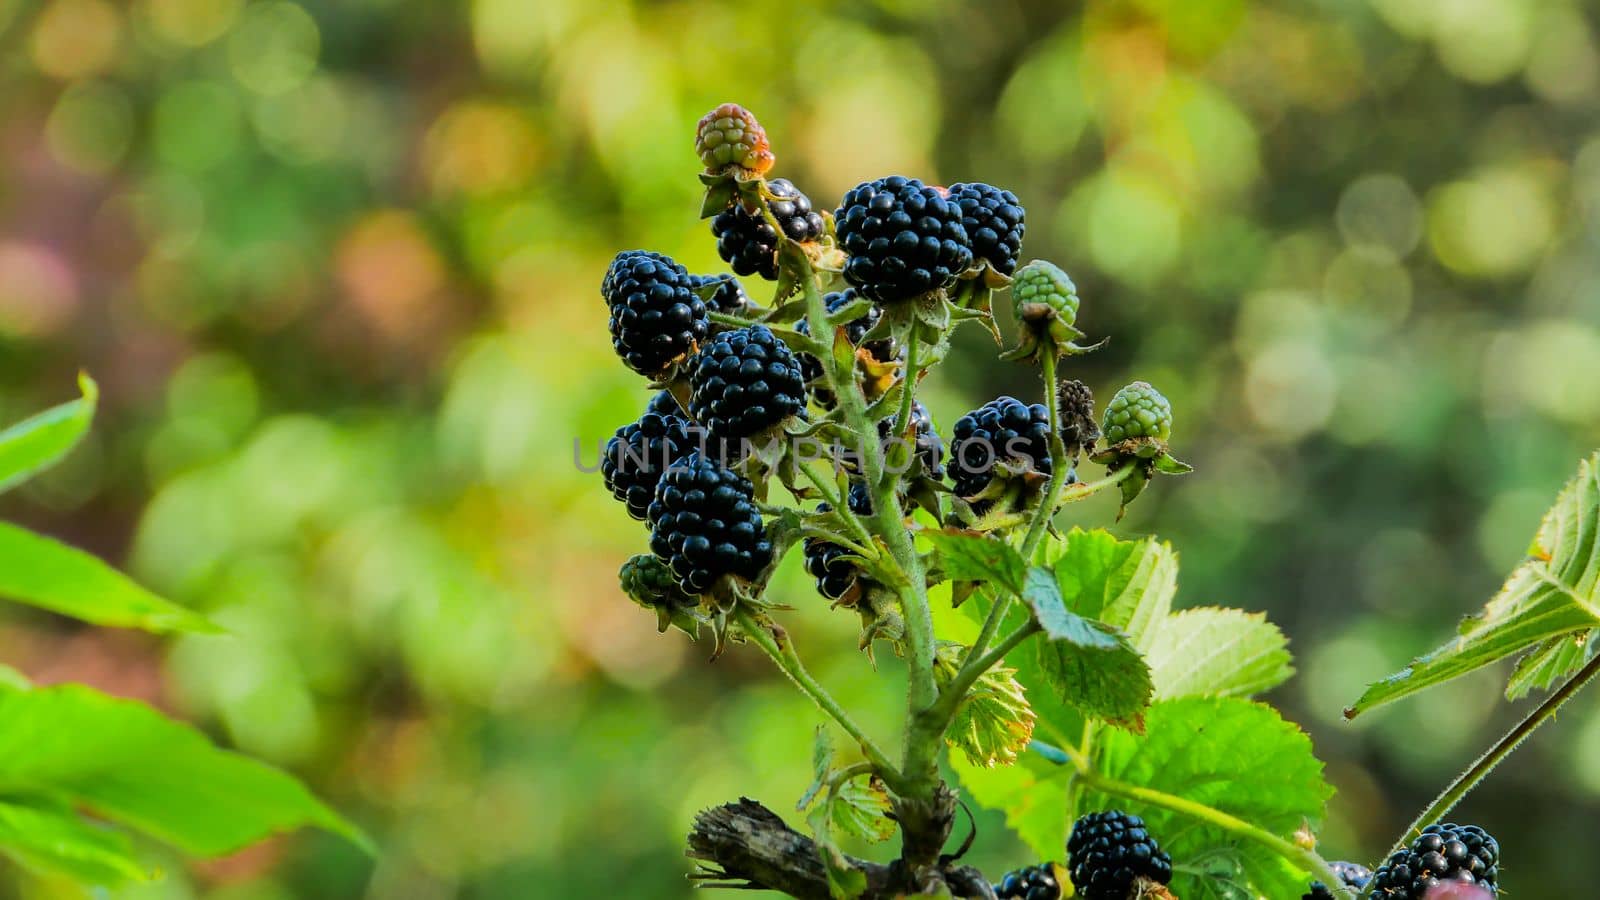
pixel 38 291
pixel 76 38
pixel 1290 389
pixel 1380 211
pixel 1492 225
pixel 190 23
pixel 274 48
pixel 90 127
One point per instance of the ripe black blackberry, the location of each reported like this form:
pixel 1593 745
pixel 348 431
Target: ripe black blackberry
pixel 903 239
pixel 1005 428
pixel 638 453
pixel 1078 428
pixel 928 448
pixel 705 525
pixel 993 219
pixel 1032 883
pixel 1109 851
pixel 744 382
pixel 747 242
pixel 883 350
pixel 664 404
pixel 1351 875
pixel 729 296
pixel 824 562
pixel 656 317
pixel 1443 852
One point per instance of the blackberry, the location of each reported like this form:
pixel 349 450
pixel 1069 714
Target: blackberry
pixel 1039 882
pixel 903 239
pixel 1002 429
pixel 664 404
pixel 648 581
pixel 729 296
pixel 1137 411
pixel 1351 875
pixel 744 382
pixel 824 562
pixel 656 318
pixel 729 137
pixel 1442 853
pixel 928 449
pixel 993 221
pixel 638 453
pixel 704 524
pixel 883 350
pixel 1109 851
pixel 1078 430
pixel 747 241
pixel 1041 290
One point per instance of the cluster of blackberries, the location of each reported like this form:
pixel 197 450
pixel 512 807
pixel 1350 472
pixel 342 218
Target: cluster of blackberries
pixel 1002 429
pixel 1039 882
pixel 1109 851
pixel 1351 875
pixel 1442 853
pixel 748 243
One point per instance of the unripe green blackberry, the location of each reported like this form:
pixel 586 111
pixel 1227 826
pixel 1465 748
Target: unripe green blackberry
pixel 656 317
pixel 1351 875
pixel 705 525
pixel 649 582
pixel 638 453
pixel 729 297
pixel 993 219
pixel 884 350
pixel 1109 851
pixel 1137 411
pixel 729 137
pixel 1442 853
pixel 902 238
pixel 748 243
pixel 1041 882
pixel 1041 288
pixel 745 382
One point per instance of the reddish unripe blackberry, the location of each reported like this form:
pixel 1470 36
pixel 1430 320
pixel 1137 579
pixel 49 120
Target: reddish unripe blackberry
pixel 1109 851
pixel 1442 853
pixel 729 137
pixel 902 238
pixel 1351 875
pixel 705 525
pixel 993 219
pixel 744 382
pixel 638 453
pixel 747 241
pixel 656 317
pixel 1002 429
pixel 883 350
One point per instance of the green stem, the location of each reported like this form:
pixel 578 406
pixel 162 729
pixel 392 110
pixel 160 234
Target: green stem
pixel 840 505
pixel 784 656
pixel 1294 853
pixel 1083 490
pixel 731 321
pixel 903 416
pixel 1496 754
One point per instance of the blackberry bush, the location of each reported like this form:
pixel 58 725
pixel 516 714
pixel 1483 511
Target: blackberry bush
pixel 1051 657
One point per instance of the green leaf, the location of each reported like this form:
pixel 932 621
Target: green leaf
pixel 971 556
pixel 1231 754
pixel 55 840
pixel 12 680
pixel 1554 594
pixel 844 880
pixel 1111 684
pixel 861 807
pixel 1550 663
pixel 1126 584
pixel 37 443
pixel 994 722
pixel 131 765
pixel 821 764
pixel 48 574
pixel 1211 652
pixel 1032 793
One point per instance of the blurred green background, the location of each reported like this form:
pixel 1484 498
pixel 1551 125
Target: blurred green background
pixel 335 265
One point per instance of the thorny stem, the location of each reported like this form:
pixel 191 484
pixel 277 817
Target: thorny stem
pixel 840 505
pixel 1085 771
pixel 903 416
pixel 1496 754
pixel 730 321
pixel 784 656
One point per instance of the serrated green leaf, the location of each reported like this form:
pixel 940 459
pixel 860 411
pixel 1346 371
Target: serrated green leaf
pixel 1212 652
pixel 1126 584
pixel 1231 754
pixel 971 556
pixel 1555 593
pixel 860 807
pixel 48 839
pixel 844 880
pixel 1109 684
pixel 994 722
pixel 821 764
pixel 1032 793
pixel 39 442
pixel 128 763
pixel 1550 662
pixel 1043 596
pixel 45 573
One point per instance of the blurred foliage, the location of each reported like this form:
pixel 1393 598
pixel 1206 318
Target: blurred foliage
pixel 336 266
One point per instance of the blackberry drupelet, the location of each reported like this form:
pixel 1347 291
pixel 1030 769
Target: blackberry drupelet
pixel 747 241
pixel 744 382
pixel 902 237
pixel 1002 429
pixel 1032 883
pixel 1109 851
pixel 1351 875
pixel 1442 853
pixel 1137 411
pixel 729 137
pixel 883 350
pixel 639 452
pixel 729 297
pixel 993 219
pixel 656 317
pixel 1078 428
pixel 705 525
